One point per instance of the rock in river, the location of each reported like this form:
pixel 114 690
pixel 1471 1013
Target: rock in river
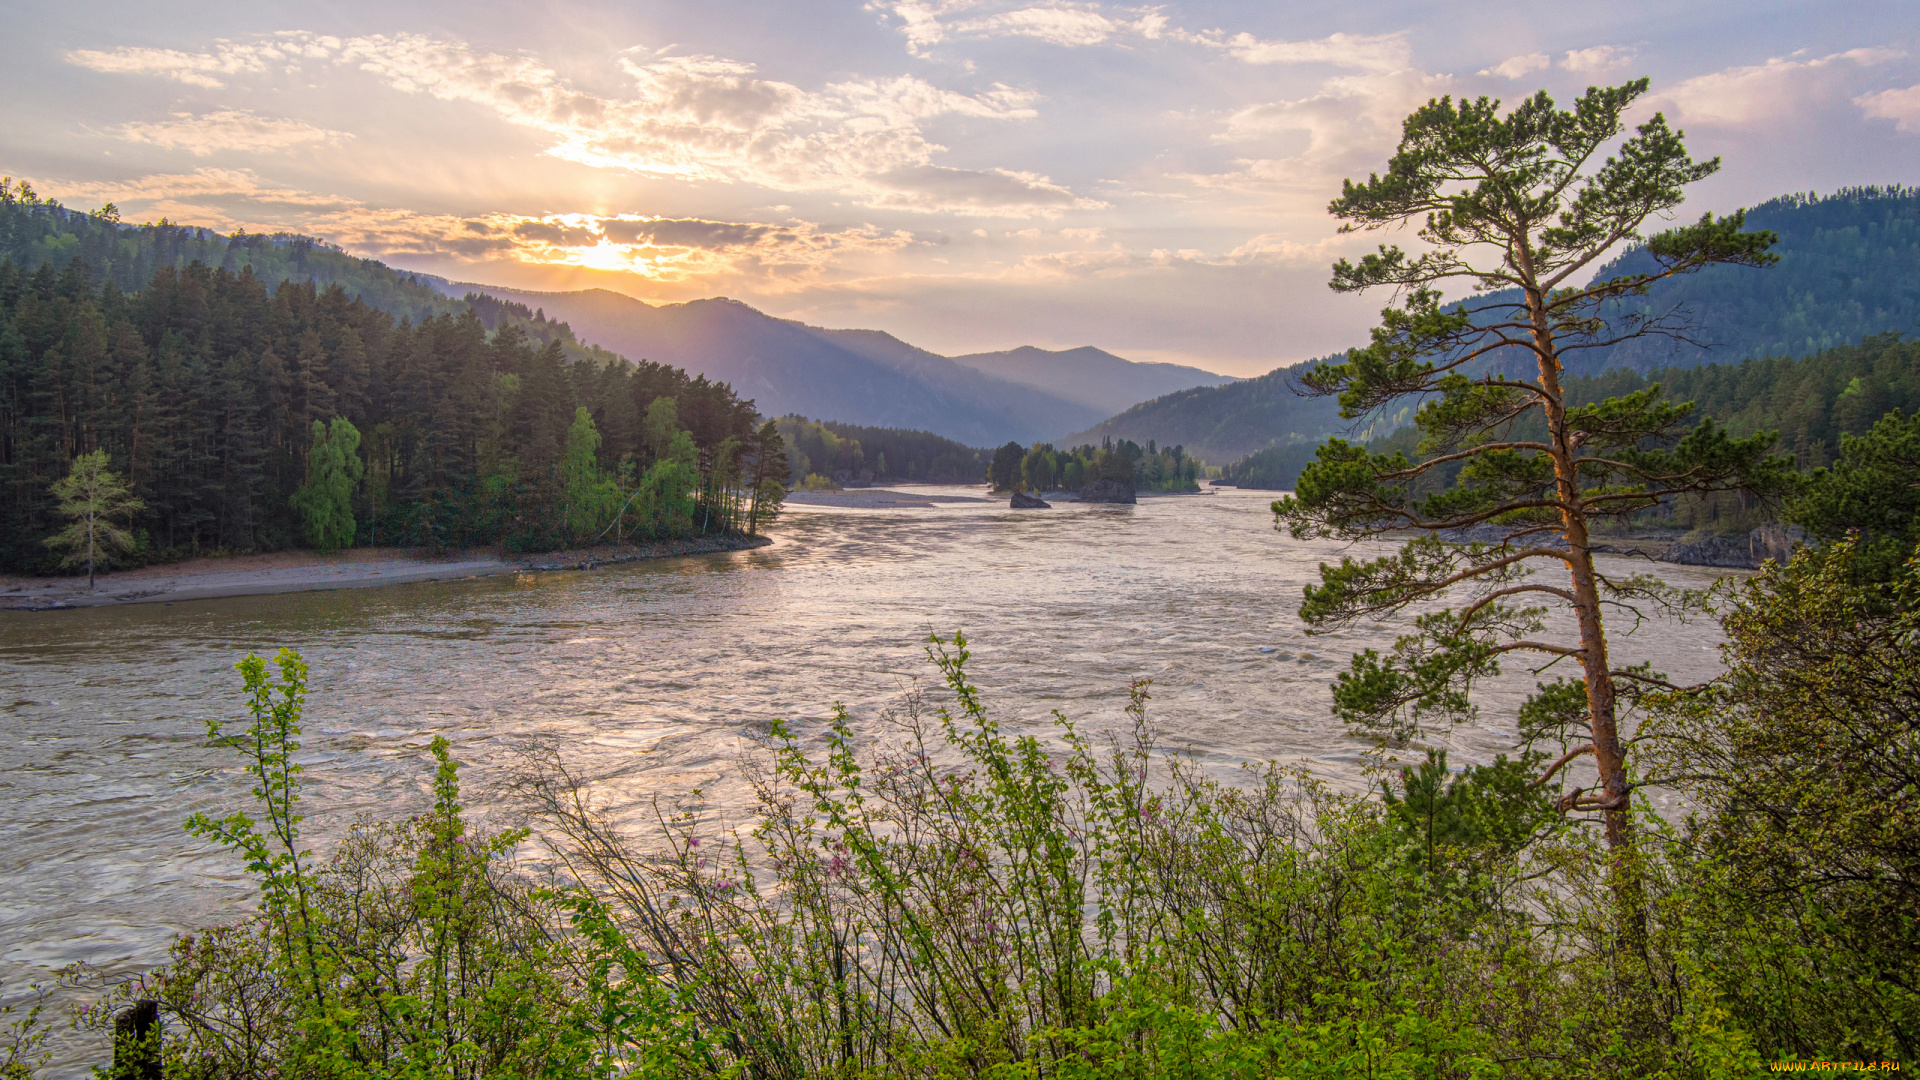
pixel 1024 501
pixel 1107 491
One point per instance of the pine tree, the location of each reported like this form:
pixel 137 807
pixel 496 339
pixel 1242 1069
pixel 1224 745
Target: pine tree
pixel 1519 203
pixel 92 495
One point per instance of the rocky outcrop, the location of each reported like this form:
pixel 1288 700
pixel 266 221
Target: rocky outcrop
pixel 1107 491
pixel 1023 501
pixel 1739 552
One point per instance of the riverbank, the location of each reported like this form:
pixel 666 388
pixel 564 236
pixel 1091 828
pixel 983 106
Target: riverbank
pixel 305 571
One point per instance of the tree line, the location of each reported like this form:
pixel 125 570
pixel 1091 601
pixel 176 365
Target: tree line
pixel 205 387
pixel 834 452
pixel 1042 467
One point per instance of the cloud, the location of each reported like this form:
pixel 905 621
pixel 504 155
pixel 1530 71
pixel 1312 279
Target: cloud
pixel 1069 26
pixel 1771 93
pixel 178 189
pixel 695 118
pixel 926 23
pixel 920 21
pixel 966 191
pixel 1900 106
pixel 1350 124
pixel 556 234
pixel 1383 52
pixel 1519 67
pixel 1595 61
pixel 228 129
pixel 688 232
pixel 282 51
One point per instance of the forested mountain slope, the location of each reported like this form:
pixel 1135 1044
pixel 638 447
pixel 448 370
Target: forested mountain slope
pixel 33 232
pixel 1810 400
pixel 1849 267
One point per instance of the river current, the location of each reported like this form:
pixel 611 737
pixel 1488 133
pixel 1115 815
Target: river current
pixel 656 677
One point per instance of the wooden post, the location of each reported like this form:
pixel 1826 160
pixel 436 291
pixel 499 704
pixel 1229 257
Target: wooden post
pixel 136 1042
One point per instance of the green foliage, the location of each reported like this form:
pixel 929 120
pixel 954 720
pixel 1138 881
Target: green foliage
pixel 23 1037
pixel 1003 472
pixel 1803 766
pixel 1274 469
pixel 1463 823
pixel 593 496
pixel 334 469
pixel 415 951
pixel 1870 490
pixel 91 496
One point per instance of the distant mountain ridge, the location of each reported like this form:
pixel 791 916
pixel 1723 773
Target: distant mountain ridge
pixel 856 376
pixel 1220 424
pixel 1093 377
pixel 1849 267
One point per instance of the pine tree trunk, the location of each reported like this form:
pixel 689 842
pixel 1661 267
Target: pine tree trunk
pixel 1609 754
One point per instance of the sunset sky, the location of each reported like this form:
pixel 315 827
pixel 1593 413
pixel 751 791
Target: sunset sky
pixel 966 175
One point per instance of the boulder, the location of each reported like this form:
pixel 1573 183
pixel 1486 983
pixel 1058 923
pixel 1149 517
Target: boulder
pixel 1023 501
pixel 1107 491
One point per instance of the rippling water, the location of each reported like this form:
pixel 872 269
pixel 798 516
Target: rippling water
pixel 655 677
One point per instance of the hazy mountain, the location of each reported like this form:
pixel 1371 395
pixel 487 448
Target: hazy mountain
pixel 1849 267
pixel 1043 414
pixel 1093 377
pixel 1219 424
pixel 856 376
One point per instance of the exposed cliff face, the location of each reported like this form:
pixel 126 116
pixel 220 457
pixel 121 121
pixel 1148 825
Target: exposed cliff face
pixel 1108 491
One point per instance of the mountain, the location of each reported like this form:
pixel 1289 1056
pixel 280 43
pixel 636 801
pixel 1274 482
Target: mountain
pixel 35 232
pixel 1849 268
pixel 856 376
pixel 1812 401
pixel 1093 377
pixel 1218 424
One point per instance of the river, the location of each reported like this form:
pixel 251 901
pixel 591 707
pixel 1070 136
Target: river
pixel 655 677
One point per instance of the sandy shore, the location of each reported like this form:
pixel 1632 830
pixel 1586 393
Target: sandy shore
pixel 303 571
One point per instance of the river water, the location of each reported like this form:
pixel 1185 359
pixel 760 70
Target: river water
pixel 655 678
